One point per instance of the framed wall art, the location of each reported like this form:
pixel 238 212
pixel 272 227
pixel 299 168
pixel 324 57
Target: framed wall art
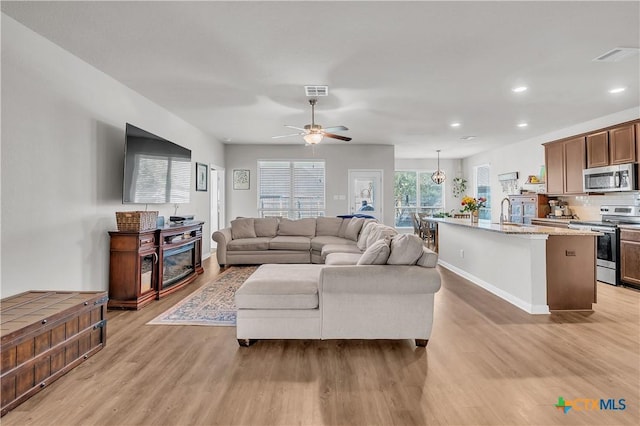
pixel 202 175
pixel 241 179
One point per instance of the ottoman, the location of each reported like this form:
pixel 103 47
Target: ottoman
pixel 279 302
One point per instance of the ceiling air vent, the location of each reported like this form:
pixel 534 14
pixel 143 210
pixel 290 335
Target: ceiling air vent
pixel 314 91
pixel 617 54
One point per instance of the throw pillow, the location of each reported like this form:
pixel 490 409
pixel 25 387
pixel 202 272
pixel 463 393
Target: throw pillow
pixel 376 254
pixel 429 258
pixel 379 232
pixel 343 227
pixel 266 227
pixel 362 240
pixel 353 228
pixel 328 226
pixel 300 228
pixel 406 249
pixel 242 228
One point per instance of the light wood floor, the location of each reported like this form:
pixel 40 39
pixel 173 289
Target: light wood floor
pixel 487 363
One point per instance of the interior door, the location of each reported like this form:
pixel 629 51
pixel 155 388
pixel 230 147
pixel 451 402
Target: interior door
pixel 365 192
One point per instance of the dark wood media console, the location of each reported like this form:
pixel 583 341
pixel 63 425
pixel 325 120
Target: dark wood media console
pixel 148 265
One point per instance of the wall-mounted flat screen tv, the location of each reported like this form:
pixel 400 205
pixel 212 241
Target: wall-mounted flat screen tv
pixel 156 171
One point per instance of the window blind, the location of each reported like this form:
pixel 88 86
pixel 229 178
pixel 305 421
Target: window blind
pixel 292 189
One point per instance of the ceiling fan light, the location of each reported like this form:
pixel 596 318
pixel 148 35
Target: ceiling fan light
pixel 313 138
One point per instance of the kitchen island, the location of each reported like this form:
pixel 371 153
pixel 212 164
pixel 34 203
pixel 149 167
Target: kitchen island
pixel 537 268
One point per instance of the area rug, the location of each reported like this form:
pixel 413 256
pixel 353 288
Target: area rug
pixel 211 304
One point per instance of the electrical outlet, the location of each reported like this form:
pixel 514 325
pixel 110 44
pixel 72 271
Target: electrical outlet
pixel 462 253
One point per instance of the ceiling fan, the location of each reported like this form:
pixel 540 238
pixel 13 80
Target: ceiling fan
pixel 313 133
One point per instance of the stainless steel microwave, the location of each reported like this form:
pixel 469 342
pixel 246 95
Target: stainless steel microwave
pixel 617 178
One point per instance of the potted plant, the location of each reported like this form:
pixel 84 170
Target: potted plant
pixel 472 205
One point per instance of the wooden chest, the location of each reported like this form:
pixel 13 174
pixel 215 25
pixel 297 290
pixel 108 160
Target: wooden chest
pixel 44 335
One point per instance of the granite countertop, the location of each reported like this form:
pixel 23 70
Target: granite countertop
pixel 516 229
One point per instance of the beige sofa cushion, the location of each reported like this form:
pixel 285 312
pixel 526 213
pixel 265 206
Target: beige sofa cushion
pixel 342 259
pixel 380 231
pixel 328 226
pixel 285 242
pixel 376 254
pixel 301 227
pixel 266 226
pixel 353 228
pixel 246 244
pixel 429 258
pixel 280 287
pixel 406 249
pixel 317 243
pixel 339 248
pixel 243 228
pixel 364 234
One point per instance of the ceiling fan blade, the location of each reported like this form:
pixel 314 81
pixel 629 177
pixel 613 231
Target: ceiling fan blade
pixel 335 129
pixel 295 128
pixel 286 136
pixel 342 138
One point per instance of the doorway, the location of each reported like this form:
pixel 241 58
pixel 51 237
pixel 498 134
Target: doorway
pixel 217 201
pixel 365 192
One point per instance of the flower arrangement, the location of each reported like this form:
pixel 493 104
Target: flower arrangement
pixel 470 204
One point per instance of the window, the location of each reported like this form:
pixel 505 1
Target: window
pixel 483 189
pixel 415 192
pixel 291 189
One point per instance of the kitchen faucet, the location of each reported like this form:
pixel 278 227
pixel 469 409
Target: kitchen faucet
pixel 502 217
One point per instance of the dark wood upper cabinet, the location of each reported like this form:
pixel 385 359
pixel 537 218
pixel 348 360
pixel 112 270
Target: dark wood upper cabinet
pixel 565 161
pixel 574 163
pixel 598 149
pixel 554 159
pixel 622 145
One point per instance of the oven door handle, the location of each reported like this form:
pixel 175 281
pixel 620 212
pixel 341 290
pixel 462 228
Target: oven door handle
pixel 603 229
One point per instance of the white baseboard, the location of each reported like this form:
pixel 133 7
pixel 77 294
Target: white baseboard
pixel 516 301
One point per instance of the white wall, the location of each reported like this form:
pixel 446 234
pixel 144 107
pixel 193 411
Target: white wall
pixel 339 159
pixel 527 156
pixel 62 158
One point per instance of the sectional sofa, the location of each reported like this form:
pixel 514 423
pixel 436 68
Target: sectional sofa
pixel 330 278
pixel 309 240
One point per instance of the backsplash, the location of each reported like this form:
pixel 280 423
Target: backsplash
pixel 587 207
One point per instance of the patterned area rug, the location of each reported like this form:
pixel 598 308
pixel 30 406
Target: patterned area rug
pixel 211 304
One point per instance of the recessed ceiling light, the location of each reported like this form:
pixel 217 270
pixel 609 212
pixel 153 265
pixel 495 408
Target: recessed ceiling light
pixel 617 90
pixel 467 138
pixel 519 89
pixel 455 124
pixel 522 124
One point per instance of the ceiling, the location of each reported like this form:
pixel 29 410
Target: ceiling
pixel 398 72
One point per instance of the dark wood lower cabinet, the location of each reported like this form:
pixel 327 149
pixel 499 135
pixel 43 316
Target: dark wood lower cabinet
pixel 630 257
pixel 45 334
pixel 571 272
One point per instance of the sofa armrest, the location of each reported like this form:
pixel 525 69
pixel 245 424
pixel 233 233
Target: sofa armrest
pixel 379 279
pixel 222 237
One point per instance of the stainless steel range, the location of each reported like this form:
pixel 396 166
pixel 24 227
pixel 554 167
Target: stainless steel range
pixel 608 244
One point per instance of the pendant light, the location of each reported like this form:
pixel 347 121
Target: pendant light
pixel 438 176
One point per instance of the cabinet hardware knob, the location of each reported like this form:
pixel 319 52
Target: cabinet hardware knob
pixel 86 303
pixel 44 321
pixel 43 384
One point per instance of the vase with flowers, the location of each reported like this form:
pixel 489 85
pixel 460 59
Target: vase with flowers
pixel 473 205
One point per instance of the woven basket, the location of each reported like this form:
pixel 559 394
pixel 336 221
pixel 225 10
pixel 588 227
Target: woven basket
pixel 136 221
